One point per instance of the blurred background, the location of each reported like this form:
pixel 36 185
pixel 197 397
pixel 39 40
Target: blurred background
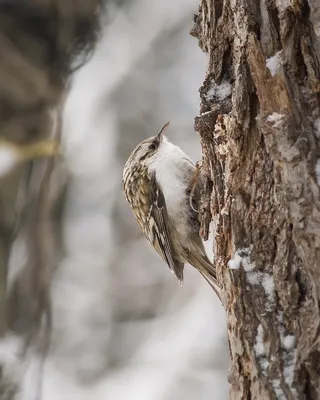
pixel 122 326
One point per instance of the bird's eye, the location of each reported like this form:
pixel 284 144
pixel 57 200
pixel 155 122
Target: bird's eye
pixel 153 146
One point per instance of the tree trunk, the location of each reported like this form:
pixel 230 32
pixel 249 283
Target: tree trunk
pixel 259 125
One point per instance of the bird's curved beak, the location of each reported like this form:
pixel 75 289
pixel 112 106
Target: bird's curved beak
pixel 160 134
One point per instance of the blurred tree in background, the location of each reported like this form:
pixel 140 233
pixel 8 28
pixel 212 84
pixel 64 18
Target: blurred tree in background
pixel 87 309
pixel 38 40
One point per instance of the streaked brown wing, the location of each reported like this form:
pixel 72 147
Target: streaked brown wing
pixel 159 229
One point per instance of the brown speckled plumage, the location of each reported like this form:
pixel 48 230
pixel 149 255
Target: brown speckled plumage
pixel 162 186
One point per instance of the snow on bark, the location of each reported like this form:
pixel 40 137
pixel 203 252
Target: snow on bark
pixel 273 63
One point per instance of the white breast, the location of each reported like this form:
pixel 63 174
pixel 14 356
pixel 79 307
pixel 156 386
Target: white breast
pixel 171 176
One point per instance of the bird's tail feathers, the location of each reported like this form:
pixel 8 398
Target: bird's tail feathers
pixel 206 269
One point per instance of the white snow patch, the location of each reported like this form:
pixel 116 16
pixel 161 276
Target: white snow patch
pixel 242 256
pixel 8 159
pixel 288 342
pixel 274 63
pixel 254 278
pixel 264 364
pixel 259 346
pixel 275 118
pixel 206 113
pixel 248 266
pixel 276 383
pixel 317 127
pixel 219 92
pixel 278 391
pixel 318 171
pixel 268 286
pixel 260 350
pixel 289 353
pixel 235 262
pixel 266 280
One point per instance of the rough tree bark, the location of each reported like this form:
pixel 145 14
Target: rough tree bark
pixel 259 125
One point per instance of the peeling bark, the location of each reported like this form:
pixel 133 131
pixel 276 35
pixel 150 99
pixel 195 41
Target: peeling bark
pixel 259 125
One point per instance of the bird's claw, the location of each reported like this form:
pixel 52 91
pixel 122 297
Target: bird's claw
pixel 193 184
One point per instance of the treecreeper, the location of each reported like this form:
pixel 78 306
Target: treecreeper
pixel 163 187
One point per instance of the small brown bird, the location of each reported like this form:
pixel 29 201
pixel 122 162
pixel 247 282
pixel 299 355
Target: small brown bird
pixel 161 185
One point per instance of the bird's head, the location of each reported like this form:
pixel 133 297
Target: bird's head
pixel 148 147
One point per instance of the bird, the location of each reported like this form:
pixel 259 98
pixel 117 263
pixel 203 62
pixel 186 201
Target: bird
pixel 163 187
